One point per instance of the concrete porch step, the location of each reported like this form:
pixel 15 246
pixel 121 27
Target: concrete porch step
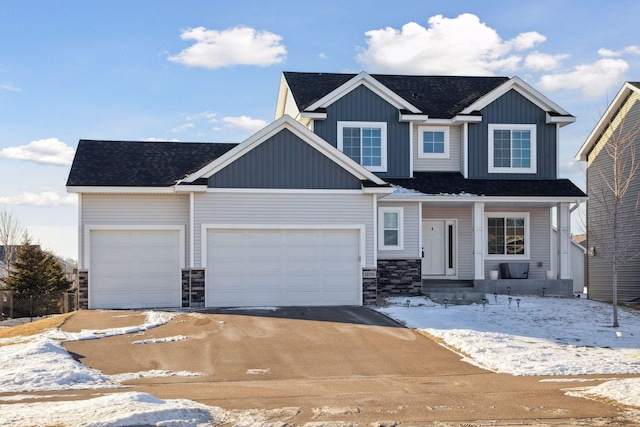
pixel 439 283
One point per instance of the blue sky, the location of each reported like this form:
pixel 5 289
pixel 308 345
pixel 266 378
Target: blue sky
pixel 210 70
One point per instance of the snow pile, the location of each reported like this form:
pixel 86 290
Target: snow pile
pixel 118 409
pixel 161 340
pixel 535 336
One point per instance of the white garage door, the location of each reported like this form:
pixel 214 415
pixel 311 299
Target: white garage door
pixel 134 269
pixel 283 267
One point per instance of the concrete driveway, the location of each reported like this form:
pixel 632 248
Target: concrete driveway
pixel 347 364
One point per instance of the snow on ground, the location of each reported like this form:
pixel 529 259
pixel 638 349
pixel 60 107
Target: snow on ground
pixel 541 336
pixel 535 336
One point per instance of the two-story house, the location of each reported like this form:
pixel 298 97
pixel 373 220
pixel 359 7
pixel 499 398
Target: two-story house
pixel 363 185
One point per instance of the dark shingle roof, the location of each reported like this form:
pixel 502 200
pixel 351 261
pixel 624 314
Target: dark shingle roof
pixel 139 164
pixel 440 97
pixel 455 183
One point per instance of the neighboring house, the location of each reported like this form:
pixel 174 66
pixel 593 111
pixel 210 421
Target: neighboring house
pixel 363 186
pixel 577 255
pixel 620 121
pixel 68 267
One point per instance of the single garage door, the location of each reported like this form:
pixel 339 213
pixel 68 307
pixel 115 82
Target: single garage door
pixel 134 269
pixel 283 267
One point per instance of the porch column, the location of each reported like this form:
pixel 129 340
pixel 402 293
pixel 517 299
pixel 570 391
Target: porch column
pixel 564 240
pixel 478 241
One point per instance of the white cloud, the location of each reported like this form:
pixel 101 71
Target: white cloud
pixel 182 128
pixel 45 198
pixel 244 123
pixel 10 88
pixel 206 115
pixel 235 46
pixel 543 61
pixel 461 45
pixel 608 53
pixel 323 55
pixel 48 151
pixel 592 79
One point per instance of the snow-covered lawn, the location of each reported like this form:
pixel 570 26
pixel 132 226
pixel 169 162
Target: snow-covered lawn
pixel 541 336
pixel 535 336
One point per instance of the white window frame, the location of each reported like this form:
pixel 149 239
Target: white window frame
pixel 447 143
pixel 512 127
pixel 527 235
pixel 383 142
pixel 381 229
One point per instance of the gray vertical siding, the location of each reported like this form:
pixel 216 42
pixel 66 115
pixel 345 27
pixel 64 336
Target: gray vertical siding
pixel 465 233
pixel 284 161
pixel 512 108
pixel 362 104
pixel 539 242
pixel 599 267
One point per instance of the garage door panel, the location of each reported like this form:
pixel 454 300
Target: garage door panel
pixel 134 268
pixel 283 267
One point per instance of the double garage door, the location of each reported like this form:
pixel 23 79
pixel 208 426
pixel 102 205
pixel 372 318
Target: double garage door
pixel 282 267
pixel 244 267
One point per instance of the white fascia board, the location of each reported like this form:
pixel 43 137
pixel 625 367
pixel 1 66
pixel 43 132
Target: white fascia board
pixel 593 137
pixel 472 198
pixel 522 88
pixel 285 122
pixel 561 120
pixel 371 83
pixel 283 94
pixel 191 188
pixel 420 118
pixel 121 190
pixel 313 115
pixel 378 190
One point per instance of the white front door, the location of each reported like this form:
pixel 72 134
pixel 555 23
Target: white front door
pixel 433 243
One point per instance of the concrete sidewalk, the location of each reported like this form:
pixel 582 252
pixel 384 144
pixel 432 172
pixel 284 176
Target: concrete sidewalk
pixel 329 364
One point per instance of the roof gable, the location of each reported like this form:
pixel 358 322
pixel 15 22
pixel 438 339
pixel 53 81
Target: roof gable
pixel 304 134
pixel 436 96
pixel 609 115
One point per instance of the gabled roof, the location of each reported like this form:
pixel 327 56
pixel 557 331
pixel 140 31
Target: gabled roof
pixel 285 122
pixel 139 164
pixel 453 183
pixel 436 96
pixel 627 89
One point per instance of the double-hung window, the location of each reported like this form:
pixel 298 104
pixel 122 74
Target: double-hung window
pixel 512 148
pixel 390 229
pixel 433 142
pixel 364 142
pixel 507 235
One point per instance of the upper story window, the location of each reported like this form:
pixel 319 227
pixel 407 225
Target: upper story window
pixel 433 142
pixel 364 142
pixel 512 148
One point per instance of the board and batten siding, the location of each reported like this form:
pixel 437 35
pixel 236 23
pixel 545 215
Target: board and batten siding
pixel 599 267
pixel 539 242
pixel 135 210
pixel 512 108
pixel 284 161
pixel 411 232
pixel 463 215
pixel 362 105
pixel 452 164
pixel 284 209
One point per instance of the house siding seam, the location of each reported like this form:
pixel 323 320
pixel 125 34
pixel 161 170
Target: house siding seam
pixel 512 108
pixel 361 104
pixel 399 277
pixel 284 161
pixel 599 269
